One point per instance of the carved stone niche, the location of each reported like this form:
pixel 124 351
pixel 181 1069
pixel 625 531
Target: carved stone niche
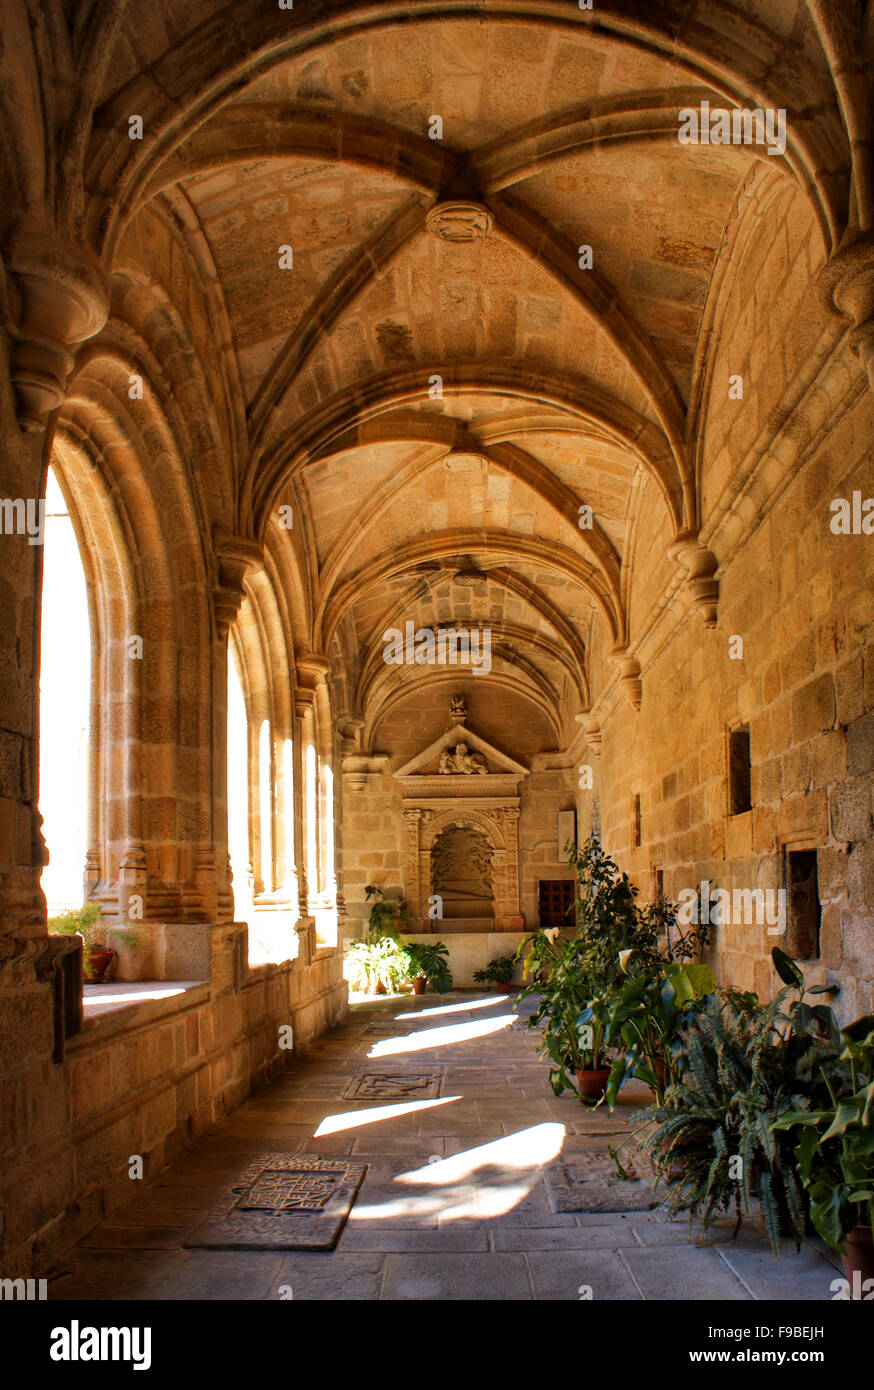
pixel 461 807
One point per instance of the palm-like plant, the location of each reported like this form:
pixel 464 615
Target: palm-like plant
pixel 431 960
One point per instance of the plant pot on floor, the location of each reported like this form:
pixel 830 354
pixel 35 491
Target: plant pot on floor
pixel 592 1082
pixel 420 984
pixel 96 962
pixel 858 1254
pixel 657 1065
pixel 380 988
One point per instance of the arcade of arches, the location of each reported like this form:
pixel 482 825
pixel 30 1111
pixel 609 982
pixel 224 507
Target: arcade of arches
pixel 350 318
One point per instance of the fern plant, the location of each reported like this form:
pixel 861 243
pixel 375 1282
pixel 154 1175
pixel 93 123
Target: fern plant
pixel 741 1065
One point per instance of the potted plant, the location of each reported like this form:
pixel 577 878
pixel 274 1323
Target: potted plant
pixel 835 1154
pixel 377 966
pixel 83 921
pixel 498 973
pixel 568 972
pixel 641 1016
pixel 427 964
pixel 377 960
pixel 741 1065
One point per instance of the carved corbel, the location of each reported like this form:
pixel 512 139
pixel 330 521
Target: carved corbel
pixel 592 727
pixel 235 556
pixel 846 285
pixel 701 586
pixel 62 299
pixel 358 767
pixel 349 728
pixel 629 675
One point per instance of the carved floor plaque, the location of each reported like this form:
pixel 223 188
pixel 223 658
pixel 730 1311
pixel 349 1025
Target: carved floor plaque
pixel 589 1182
pixel 283 1202
pixel 393 1085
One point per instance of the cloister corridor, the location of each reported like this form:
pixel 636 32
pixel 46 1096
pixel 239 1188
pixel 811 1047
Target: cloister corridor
pixel 453 1204
pixel 436 576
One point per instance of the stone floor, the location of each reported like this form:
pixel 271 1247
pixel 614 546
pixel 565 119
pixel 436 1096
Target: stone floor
pixel 453 1205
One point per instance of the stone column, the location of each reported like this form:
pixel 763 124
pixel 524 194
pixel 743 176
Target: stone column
pixel 413 886
pixel 513 919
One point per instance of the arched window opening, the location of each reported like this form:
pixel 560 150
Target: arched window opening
pixel 326 914
pixel 265 805
pixel 64 707
pixel 238 796
pixel 311 822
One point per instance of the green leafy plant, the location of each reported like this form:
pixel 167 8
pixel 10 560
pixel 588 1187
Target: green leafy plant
pixel 387 915
pixel 738 1066
pixel 85 922
pixel 835 1154
pixel 567 972
pixel 378 962
pixel 642 1016
pixel 429 959
pixel 499 971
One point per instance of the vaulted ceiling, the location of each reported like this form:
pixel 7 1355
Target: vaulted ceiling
pixel 557 385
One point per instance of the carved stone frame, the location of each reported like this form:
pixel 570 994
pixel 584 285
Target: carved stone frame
pixel 497 819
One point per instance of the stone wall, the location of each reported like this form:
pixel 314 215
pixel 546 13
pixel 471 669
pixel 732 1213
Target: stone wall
pixel 373 821
pixel 801 600
pixel 145 1080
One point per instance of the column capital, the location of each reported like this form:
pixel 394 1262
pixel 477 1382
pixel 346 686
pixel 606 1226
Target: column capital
pixel 235 556
pixel 592 726
pixel 311 668
pixel 62 299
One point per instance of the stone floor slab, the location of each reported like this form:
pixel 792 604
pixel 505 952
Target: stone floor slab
pixel 456 1278
pixel 282 1202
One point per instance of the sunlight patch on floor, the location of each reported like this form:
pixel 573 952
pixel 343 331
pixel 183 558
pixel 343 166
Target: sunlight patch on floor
pixel 442 1037
pixel 354 1119
pixel 455 1008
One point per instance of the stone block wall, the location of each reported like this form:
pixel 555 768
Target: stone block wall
pixel 147 1081
pixel 373 822
pixel 801 600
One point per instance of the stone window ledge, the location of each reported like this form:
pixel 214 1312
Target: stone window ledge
pixel 122 1005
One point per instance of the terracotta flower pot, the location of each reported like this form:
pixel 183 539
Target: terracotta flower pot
pixel 592 1082
pixel 420 984
pixel 858 1255
pixel 96 963
pixel 657 1065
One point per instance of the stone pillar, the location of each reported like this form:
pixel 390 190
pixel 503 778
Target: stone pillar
pixel 416 888
pixel 200 892
pixel 512 919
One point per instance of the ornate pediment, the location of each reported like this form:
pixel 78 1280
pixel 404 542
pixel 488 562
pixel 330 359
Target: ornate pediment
pixel 460 761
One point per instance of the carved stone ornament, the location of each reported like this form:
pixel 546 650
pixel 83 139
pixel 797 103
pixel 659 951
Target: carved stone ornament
pixel 459 221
